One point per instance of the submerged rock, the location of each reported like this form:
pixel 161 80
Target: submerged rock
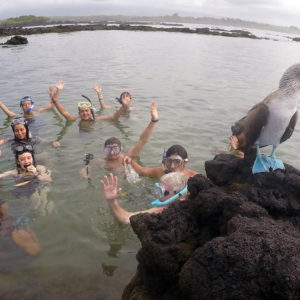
pixel 236 237
pixel 16 40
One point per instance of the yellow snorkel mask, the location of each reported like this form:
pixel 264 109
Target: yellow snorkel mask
pixel 86 104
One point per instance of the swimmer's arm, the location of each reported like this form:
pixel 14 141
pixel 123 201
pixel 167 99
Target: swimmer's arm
pixel 115 116
pixel 60 108
pixel 6 110
pixel 144 137
pixel 8 173
pixel 150 172
pixel 97 88
pixel 44 173
pixel 118 113
pixel 63 111
pixel 84 172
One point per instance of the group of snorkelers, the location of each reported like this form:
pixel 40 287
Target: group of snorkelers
pixel 172 173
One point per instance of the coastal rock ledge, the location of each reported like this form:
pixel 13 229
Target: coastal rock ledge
pixel 236 237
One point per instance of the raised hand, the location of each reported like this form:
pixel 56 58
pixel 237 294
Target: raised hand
pixel 110 189
pixel 97 88
pixel 154 113
pixel 60 85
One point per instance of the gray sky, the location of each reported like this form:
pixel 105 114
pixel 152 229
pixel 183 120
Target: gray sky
pixel 276 12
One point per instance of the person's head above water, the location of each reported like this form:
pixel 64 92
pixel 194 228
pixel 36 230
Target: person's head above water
pixel 112 148
pixel 27 104
pixel 175 158
pixel 20 128
pixel 122 96
pixel 85 109
pixel 24 157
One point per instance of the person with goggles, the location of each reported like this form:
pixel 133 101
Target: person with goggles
pixel 113 149
pixel 26 166
pixel 22 134
pixel 27 105
pixel 174 160
pixel 85 110
pixel 171 186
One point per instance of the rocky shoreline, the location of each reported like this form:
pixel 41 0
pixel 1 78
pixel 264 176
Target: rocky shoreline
pixel 236 237
pixel 9 31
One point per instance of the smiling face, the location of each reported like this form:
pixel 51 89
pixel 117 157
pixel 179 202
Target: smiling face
pixel 26 105
pixel 20 131
pixel 85 113
pixel 25 160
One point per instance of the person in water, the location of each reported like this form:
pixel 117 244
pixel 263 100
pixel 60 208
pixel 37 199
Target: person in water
pixel 113 149
pixel 124 96
pixel 27 104
pixel 85 109
pixel 26 166
pixel 174 160
pixel 171 185
pixel 20 232
pixel 22 135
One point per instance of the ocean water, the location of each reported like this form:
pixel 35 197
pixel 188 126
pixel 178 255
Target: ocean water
pixel 202 84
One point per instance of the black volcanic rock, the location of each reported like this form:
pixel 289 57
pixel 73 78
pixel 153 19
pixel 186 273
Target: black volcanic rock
pixel 16 40
pixel 237 236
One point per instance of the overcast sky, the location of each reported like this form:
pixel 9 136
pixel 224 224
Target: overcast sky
pixel 276 12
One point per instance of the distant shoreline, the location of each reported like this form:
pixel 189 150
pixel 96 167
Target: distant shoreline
pixel 130 26
pixel 9 31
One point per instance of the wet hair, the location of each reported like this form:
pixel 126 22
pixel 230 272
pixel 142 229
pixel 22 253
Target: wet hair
pixel 177 149
pixel 124 94
pixel 23 121
pixel 176 180
pixel 18 153
pixel 112 141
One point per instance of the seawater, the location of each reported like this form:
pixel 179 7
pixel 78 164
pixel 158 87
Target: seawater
pixel 201 84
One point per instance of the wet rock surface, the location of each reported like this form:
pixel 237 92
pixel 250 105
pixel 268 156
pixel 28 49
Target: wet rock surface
pixel 236 237
pixel 16 40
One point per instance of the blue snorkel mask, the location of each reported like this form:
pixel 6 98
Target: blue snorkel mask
pixel 161 192
pixel 25 99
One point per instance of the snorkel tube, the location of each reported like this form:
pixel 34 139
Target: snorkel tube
pixel 157 202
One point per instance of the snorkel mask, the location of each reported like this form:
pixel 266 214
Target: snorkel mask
pixel 25 99
pixel 112 150
pixel 174 161
pixel 160 192
pixel 86 104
